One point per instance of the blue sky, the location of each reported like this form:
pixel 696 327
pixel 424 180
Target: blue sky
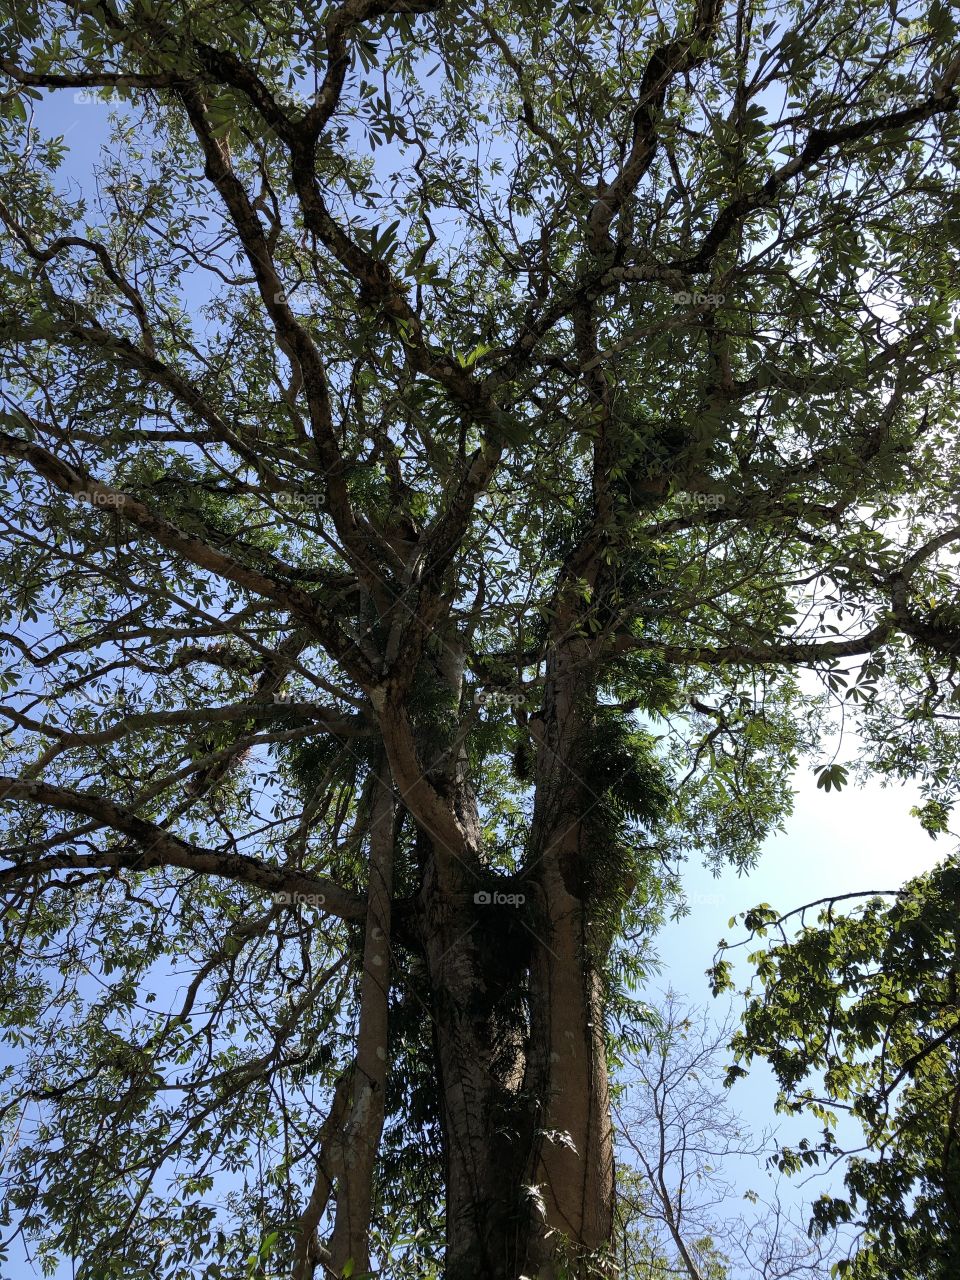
pixel 862 838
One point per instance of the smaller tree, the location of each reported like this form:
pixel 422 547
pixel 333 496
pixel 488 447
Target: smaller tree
pixel 859 1014
pixel 678 1210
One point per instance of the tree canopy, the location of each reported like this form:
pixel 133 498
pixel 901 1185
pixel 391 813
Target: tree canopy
pixel 866 1004
pixel 458 463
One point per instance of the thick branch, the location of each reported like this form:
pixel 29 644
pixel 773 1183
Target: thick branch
pixel 162 849
pixel 192 548
pixel 364 1126
pixel 671 59
pixel 819 143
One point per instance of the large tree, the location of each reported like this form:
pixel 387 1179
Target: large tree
pixel 437 443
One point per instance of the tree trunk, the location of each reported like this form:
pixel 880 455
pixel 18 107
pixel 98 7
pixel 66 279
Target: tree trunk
pixel 574 1161
pixel 516 1008
pixel 477 955
pixel 475 963
pixel 359 1140
pixel 575 1167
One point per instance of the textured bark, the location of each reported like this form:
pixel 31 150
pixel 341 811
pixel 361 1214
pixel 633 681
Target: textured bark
pixel 351 1133
pixel 360 1140
pixel 575 1169
pixel 519 1030
pixel 308 1251
pixel 476 956
pixel 517 1017
pixel 574 1161
pixel 487 1122
pixel 500 1092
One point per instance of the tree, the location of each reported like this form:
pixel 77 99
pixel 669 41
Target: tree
pixel 677 1129
pixel 859 1014
pixel 437 442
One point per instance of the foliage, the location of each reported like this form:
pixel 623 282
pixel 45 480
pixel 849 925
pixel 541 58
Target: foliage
pixel 858 1014
pixel 432 438
pixel 681 1209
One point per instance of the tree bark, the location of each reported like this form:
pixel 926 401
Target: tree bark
pixel 516 1005
pixel 486 1123
pixel 360 1141
pixel 568 1070
pixel 575 1166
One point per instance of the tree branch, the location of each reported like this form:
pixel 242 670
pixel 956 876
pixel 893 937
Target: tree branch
pixel 162 849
